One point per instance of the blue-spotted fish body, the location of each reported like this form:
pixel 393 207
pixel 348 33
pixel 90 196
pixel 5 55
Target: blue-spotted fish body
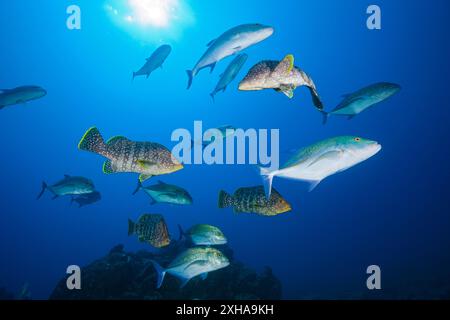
pixel 191 263
pixel 70 185
pixel 146 158
pixel 155 61
pixel 150 228
pixel 230 73
pixel 9 97
pixel 322 159
pixel 253 200
pixel 282 76
pixel 355 103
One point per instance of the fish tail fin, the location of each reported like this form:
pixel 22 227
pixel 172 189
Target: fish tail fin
pixel 212 94
pixel 93 141
pixel 161 273
pixel 131 226
pixel 190 78
pixel 325 116
pixel 182 233
pixel 44 187
pixel 225 200
pixel 139 186
pixel 267 176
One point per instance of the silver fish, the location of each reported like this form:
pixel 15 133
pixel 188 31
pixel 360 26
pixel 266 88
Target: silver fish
pixel 229 43
pixel 146 158
pixel 9 97
pixel 191 263
pixel 69 186
pixel 363 99
pixel 230 73
pixel 166 193
pixel 155 61
pixel 282 76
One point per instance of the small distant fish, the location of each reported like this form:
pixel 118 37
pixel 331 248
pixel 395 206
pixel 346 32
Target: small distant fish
pixel 155 61
pixel 9 97
pixel 253 200
pixel 87 199
pixel 68 186
pixel 146 158
pixel 166 193
pixel 225 131
pixel 229 43
pixel 322 159
pixel 204 235
pixel 363 99
pixel 282 76
pixel 191 263
pixel 150 228
pixel 230 73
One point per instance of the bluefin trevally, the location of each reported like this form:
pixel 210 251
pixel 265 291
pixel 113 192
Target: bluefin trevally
pixel 146 158
pixel 191 263
pixel 69 185
pixel 225 131
pixel 155 61
pixel 9 97
pixel 229 43
pixel 166 193
pixel 204 235
pixel 282 76
pixel 86 199
pixel 230 73
pixel 322 159
pixel 363 99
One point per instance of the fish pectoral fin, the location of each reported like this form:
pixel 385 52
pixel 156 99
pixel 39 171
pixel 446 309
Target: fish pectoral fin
pixel 285 66
pixel 184 281
pixel 326 156
pixel 287 90
pixel 145 164
pixel 204 275
pixel 144 177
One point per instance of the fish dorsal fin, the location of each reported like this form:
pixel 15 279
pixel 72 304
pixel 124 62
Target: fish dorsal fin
pixel 211 42
pixel 286 65
pixel 115 139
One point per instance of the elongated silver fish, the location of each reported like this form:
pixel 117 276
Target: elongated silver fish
pixel 146 158
pixel 229 43
pixel 282 76
pixel 69 186
pixel 322 159
pixel 9 97
pixel 155 61
pixel 191 263
pixel 230 73
pixel 204 235
pixel 357 102
pixel 166 193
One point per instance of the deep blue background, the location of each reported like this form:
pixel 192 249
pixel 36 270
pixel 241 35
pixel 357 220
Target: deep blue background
pixel 392 210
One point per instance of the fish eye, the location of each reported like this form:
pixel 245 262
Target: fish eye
pixel 357 139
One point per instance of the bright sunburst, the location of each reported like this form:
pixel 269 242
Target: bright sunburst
pixel 166 18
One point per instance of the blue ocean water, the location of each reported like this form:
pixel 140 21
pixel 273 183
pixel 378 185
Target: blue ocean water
pixel 392 210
